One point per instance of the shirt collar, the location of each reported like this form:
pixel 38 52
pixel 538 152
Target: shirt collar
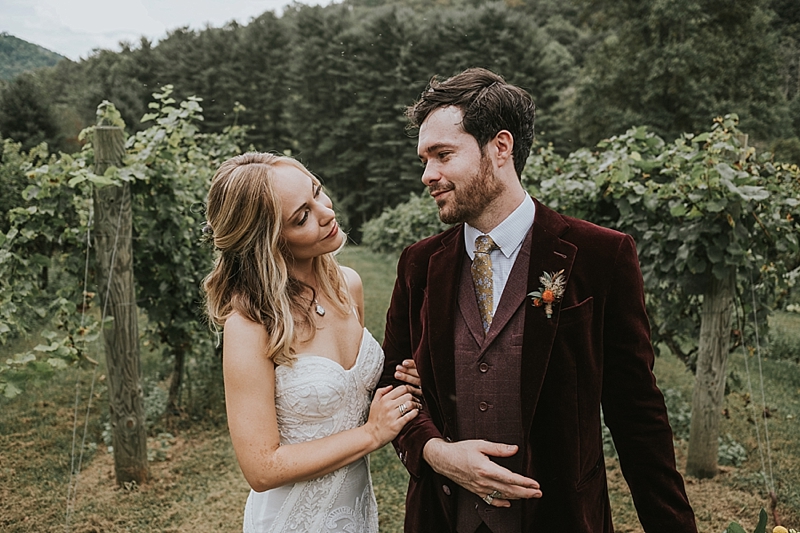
pixel 508 235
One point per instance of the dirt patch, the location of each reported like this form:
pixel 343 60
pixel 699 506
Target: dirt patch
pixel 716 502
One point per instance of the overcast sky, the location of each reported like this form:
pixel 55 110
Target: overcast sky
pixel 73 28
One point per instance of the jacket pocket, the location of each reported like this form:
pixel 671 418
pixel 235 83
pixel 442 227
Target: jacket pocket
pixel 577 313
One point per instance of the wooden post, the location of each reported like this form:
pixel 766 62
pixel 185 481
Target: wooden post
pixel 709 386
pixel 112 235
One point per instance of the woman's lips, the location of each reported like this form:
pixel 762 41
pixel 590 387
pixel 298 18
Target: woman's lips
pixel 334 230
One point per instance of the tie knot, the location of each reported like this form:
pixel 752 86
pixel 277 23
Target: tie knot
pixel 484 244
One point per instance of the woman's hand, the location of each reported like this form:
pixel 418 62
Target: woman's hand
pixel 407 371
pixel 391 409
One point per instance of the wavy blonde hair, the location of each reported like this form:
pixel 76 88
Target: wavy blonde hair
pixel 251 274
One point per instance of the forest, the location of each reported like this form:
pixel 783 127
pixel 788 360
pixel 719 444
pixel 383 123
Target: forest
pixel 328 84
pixel 676 121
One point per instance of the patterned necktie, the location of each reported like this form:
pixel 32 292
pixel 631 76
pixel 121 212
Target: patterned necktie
pixel 482 278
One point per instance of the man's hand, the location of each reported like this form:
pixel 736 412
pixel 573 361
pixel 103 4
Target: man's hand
pixel 467 463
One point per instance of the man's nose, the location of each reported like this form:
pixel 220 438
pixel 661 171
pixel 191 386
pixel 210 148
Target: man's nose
pixel 430 175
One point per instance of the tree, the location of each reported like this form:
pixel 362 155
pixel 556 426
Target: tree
pixel 709 215
pixel 25 113
pixel 674 66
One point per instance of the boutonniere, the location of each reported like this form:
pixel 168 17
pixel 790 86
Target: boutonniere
pixel 551 291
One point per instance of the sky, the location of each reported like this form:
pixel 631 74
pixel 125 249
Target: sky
pixel 73 28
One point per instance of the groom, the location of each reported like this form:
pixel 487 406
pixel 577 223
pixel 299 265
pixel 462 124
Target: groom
pixel 510 438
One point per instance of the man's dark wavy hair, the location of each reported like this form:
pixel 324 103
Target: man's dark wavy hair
pixel 489 105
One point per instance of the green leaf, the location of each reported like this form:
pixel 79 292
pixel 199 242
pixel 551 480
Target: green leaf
pixel 677 210
pixel 102 180
pixel 47 348
pixel 56 363
pixel 9 390
pixel 80 178
pixel 716 205
pixel 762 522
pixel 714 254
pixel 734 528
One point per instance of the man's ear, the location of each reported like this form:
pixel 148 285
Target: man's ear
pixel 503 144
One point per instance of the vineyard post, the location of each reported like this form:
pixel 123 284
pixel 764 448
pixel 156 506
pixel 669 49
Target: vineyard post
pixel 712 357
pixel 112 236
pixel 709 387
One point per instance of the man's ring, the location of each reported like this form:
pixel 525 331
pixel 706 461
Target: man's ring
pixel 402 408
pixel 490 497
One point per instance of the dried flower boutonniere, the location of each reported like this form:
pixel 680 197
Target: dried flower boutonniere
pixel 550 292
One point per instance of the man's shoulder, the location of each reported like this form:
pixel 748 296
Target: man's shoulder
pixel 577 229
pixel 430 245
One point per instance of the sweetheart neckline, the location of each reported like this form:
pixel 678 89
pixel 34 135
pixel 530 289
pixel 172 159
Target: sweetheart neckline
pixel 364 334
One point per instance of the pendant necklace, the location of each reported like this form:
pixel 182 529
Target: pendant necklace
pixel 318 308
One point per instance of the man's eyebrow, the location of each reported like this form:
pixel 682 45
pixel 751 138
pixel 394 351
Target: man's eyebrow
pixel 432 148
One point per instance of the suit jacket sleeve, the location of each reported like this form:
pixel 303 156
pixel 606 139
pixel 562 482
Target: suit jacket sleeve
pixel 403 329
pixel 634 407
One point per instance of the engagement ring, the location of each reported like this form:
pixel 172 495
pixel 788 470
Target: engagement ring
pixel 402 408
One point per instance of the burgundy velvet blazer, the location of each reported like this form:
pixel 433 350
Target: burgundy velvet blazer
pixel 595 350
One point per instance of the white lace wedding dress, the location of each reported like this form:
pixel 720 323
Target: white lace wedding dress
pixel 315 398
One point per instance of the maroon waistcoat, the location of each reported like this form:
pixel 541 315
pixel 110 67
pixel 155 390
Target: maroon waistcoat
pixel 488 385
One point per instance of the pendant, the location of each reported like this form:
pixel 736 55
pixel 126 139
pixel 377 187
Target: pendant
pixel 319 309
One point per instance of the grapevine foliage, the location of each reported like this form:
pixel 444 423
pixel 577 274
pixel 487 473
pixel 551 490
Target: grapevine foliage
pixel 702 206
pixel 43 234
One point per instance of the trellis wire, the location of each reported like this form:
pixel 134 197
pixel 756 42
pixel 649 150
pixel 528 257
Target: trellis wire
pixel 769 481
pixel 74 488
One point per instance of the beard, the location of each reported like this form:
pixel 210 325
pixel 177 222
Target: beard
pixel 471 198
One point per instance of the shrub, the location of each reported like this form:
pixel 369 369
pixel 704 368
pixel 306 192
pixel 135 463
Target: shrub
pixel 405 224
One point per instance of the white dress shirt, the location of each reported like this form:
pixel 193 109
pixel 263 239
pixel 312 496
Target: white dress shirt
pixel 508 235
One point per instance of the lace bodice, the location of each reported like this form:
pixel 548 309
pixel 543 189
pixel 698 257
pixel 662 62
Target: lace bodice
pixel 314 398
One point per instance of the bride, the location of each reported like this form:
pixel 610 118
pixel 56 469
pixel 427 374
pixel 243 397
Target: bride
pixel 300 369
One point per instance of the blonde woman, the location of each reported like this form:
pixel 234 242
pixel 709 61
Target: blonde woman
pixel 300 369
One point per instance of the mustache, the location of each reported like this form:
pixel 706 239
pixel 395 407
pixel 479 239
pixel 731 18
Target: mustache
pixel 441 187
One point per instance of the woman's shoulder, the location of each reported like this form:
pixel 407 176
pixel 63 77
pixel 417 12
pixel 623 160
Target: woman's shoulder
pixel 242 336
pixel 351 277
pixel 356 290
pixel 237 323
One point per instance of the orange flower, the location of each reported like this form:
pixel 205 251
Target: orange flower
pixel 548 296
pixel 537 302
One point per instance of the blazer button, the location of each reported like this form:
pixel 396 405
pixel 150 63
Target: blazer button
pixel 446 490
pixel 483 406
pixel 483 367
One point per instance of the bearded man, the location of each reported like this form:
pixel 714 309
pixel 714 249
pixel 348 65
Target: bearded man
pixel 523 323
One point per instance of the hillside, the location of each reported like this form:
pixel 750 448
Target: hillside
pixel 18 56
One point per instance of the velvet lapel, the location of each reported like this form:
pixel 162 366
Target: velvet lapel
pixel 444 273
pixel 548 254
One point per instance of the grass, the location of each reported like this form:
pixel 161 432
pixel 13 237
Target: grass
pixel 198 486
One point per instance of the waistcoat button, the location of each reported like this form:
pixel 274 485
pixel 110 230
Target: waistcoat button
pixel 484 367
pixel 483 406
pixel 446 490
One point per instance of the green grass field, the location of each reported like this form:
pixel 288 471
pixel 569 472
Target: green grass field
pixel 196 484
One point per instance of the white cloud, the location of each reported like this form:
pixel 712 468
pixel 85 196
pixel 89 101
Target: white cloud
pixel 74 28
